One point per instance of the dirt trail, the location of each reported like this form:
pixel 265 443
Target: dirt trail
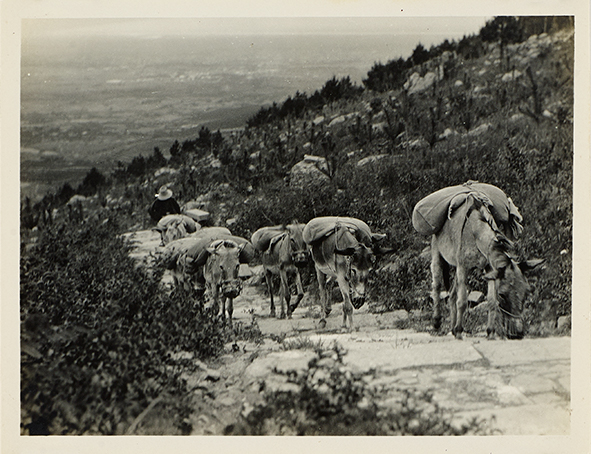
pixel 524 385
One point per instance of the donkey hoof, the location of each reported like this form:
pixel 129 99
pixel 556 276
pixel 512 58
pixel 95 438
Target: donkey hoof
pixel 436 323
pixel 322 324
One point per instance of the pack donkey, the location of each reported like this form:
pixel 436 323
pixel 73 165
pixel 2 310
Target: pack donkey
pixel 284 253
pixel 174 226
pixel 221 275
pixel 472 237
pixel 210 263
pixel 344 249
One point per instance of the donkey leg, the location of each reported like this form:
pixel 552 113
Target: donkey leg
pixel 269 280
pixel 437 286
pixel 215 298
pixel 492 312
pixel 323 297
pixel 284 296
pixel 461 300
pixel 300 295
pixel 347 306
pixel 453 304
pixel 230 309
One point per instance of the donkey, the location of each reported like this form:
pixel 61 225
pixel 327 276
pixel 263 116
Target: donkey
pixel 221 275
pixel 469 239
pixel 343 249
pixel 209 263
pixel 284 254
pixel 175 226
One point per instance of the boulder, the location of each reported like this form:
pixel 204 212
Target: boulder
pixel 313 170
pixel 197 215
pixel 418 84
pixel 372 159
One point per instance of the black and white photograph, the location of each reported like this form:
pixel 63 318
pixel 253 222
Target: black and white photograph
pixel 346 227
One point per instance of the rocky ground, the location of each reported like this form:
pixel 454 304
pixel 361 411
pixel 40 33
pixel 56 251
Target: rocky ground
pixel 519 387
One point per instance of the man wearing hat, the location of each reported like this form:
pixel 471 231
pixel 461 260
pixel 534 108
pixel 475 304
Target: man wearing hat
pixel 164 204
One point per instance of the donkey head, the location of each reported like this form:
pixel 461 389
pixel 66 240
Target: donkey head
pixel 224 264
pixel 300 254
pixel 360 260
pixel 511 289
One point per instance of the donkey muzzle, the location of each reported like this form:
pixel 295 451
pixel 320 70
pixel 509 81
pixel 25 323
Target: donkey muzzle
pixel 358 301
pixel 231 289
pixel 300 259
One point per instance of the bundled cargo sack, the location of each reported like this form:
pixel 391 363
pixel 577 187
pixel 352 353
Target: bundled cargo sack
pixel 263 237
pixel 196 248
pixel 198 251
pixel 211 232
pixel 430 213
pixel 318 228
pixel 176 220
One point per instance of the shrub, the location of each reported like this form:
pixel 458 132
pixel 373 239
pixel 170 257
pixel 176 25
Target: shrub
pixel 98 333
pixel 329 399
pixel 404 285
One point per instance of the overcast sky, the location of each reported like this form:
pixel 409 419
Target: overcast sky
pixel 454 27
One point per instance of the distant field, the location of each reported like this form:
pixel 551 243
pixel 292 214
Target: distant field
pixel 97 100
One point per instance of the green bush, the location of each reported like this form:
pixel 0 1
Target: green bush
pixel 329 399
pixel 405 284
pixel 98 334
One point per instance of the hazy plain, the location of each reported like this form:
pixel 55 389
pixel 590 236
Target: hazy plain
pixel 93 99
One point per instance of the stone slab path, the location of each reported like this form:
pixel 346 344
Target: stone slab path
pixel 523 387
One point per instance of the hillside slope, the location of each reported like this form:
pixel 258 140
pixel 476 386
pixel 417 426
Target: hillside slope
pixel 93 320
pixel 505 121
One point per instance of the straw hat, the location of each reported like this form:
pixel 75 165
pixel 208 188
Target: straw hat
pixel 164 193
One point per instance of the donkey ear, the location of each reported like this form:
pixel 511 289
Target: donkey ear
pixel 376 237
pixel 345 242
pixel 527 265
pixel 211 250
pixel 345 251
pixel 499 273
pixel 491 275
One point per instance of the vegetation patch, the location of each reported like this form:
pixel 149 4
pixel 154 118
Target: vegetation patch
pixel 98 333
pixel 329 399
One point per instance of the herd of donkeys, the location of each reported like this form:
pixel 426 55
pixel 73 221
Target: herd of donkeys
pixel 472 225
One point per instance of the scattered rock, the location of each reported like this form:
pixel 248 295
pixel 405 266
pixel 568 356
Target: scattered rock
pixel 480 129
pixel 312 170
pixel 372 159
pixel 418 84
pixel 212 375
pixel 511 76
pixel 516 117
pixel 379 127
pixel 165 171
pixel 287 361
pixel 448 133
pixel 563 322
pixel 341 119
